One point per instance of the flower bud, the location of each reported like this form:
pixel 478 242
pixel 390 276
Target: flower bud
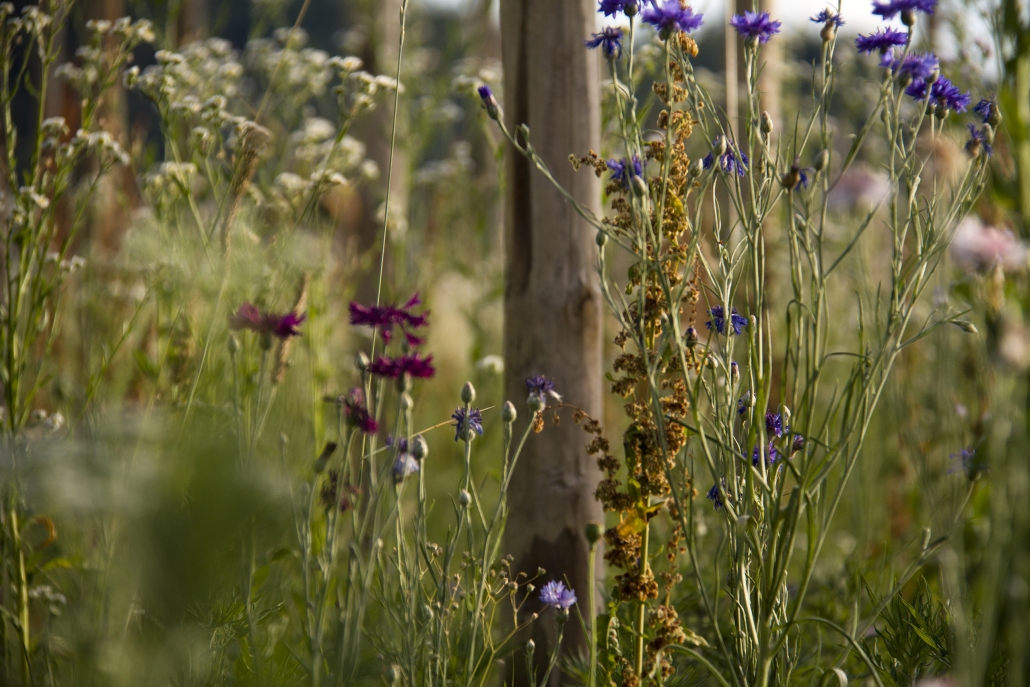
pixel 828 31
pixel 908 17
pixel 823 161
pixel 535 403
pixel 403 383
pixel 994 119
pixel 967 327
pixel 406 402
pixel 233 345
pixel 361 361
pixel 691 337
pixel 719 146
pixel 419 448
pixel 468 393
pixel 393 674
pixel 601 239
pixel 766 123
pixel 989 133
pixel 493 110
pixel 734 373
pixel 594 531
pixel 464 498
pixel 785 412
pixel 265 341
pixel 508 413
pixel 530 647
pixel 697 167
pixel 926 538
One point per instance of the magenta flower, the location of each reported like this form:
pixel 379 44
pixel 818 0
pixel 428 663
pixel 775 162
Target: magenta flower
pixel 248 316
pixel 386 317
pixel 411 364
pixel 356 411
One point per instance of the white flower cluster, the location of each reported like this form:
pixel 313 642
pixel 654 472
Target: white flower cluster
pixel 288 66
pixel 197 81
pixel 97 63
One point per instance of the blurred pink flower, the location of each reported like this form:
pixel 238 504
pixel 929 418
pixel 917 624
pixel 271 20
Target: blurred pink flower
pixel 978 247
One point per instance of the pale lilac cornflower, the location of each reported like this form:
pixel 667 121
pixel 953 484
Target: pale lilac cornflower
pixel 670 17
pixel 881 41
pixel 609 41
pixel 475 422
pixel 755 26
pixel 555 594
pixel 978 247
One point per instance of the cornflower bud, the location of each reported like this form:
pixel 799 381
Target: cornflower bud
pixel 908 17
pixel 691 337
pixel 508 413
pixel 967 327
pixel 535 403
pixel 361 361
pixel 823 161
pixel 233 345
pixel 989 133
pixel 696 167
pixel 829 30
pixel 766 123
pixel 601 239
pixel 468 393
pixel 493 110
pixel 530 647
pixel 406 402
pixel 594 530
pixel 419 448
pixel 639 186
pixel 464 498
pixel 734 373
pixel 719 146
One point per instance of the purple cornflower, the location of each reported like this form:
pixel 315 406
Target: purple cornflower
pixel 542 388
pixel 942 92
pixel 718 322
pixel 713 495
pixel 475 422
pixel 906 8
pixel 968 463
pixel 755 26
pixel 612 7
pixel 773 424
pixel 915 65
pixel 729 162
pixel 978 140
pixel 356 411
pixel 411 364
pixel 625 169
pixel 987 109
pixel 670 17
pixel 386 317
pixel 609 40
pixel 270 324
pixel 881 41
pixel 773 456
pixel 555 594
pixel 828 16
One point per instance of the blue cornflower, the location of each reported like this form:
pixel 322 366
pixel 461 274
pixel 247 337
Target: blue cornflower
pixel 670 18
pixel 405 464
pixel 540 389
pixel 797 443
pixel 474 421
pixel 968 463
pixel 774 424
pixel 987 109
pixel 718 322
pixel 713 496
pixel 612 7
pixel 625 169
pixel 609 40
pixel 828 16
pixel 915 65
pixel 555 594
pixel 978 140
pixel 803 179
pixel 888 10
pixel 756 455
pixel 881 41
pixel 943 92
pixel 755 25
pixel 493 109
pixel 729 162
